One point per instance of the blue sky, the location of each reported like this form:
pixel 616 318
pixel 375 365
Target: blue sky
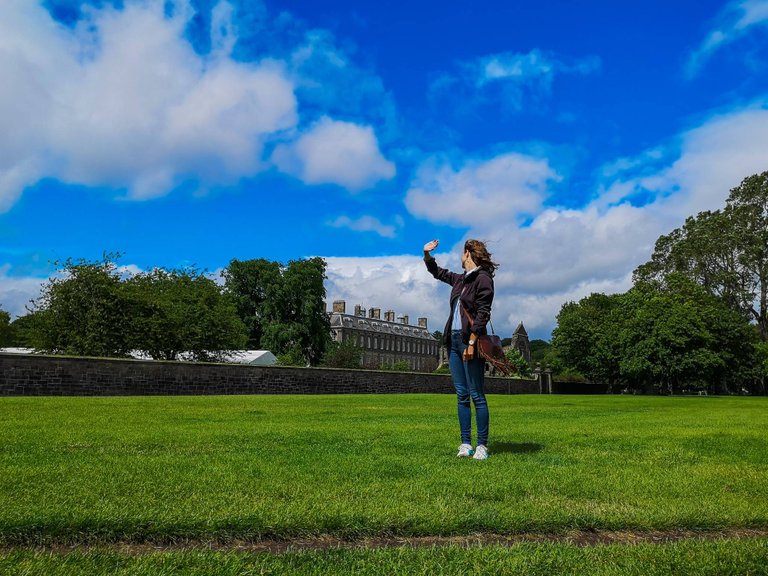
pixel 569 135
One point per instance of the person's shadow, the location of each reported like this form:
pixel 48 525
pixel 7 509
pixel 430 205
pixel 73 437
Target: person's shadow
pixel 514 448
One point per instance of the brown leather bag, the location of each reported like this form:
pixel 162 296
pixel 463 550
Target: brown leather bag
pixel 490 349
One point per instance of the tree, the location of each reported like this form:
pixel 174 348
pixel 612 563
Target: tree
pixel 6 331
pixel 725 251
pixel 522 368
pixel 255 286
pixel 292 357
pixel 680 336
pixel 344 354
pixel 586 338
pixel 283 307
pixel 23 330
pixel 539 351
pixel 673 335
pixel 747 211
pixel 83 311
pixel 182 311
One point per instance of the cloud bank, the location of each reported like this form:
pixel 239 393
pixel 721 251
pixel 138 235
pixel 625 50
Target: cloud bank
pixel 123 101
pixel 560 254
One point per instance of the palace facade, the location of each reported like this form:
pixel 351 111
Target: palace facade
pixel 385 341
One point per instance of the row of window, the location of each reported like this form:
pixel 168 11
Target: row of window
pixel 393 344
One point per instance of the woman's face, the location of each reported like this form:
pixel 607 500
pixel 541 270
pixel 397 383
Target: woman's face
pixel 464 259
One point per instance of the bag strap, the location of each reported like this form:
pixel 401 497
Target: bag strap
pixel 471 321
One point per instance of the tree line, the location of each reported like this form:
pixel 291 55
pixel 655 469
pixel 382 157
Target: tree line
pixel 92 308
pixel 695 317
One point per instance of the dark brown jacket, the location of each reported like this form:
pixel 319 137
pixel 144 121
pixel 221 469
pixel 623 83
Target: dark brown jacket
pixel 476 291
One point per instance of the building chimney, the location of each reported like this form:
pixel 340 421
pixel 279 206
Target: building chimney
pixel 423 323
pixel 404 319
pixel 389 315
pixel 374 313
pixel 339 306
pixel 359 310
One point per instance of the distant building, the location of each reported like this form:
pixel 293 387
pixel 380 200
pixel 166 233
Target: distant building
pixel 521 343
pixel 385 341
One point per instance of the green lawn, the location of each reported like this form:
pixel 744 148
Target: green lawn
pixel 158 469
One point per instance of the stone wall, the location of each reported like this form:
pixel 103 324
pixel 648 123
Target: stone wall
pixel 34 375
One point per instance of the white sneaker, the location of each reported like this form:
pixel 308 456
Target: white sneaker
pixel 465 451
pixel 481 453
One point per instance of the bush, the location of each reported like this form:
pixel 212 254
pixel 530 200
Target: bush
pixel 444 369
pixel 571 375
pixel 399 366
pixel 293 357
pixel 342 355
pixel 516 359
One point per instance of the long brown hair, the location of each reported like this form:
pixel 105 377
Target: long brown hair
pixel 480 255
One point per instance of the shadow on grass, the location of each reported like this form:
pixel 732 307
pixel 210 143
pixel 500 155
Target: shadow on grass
pixel 514 448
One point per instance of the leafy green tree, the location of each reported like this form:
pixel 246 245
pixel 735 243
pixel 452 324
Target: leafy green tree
pixel 539 350
pixel 586 338
pixel 725 251
pixel 747 211
pixel 516 359
pixel 344 354
pixel 293 357
pixel 680 336
pixel 256 287
pixel 23 330
pixel 6 331
pixel 761 356
pixel 182 311
pixel 83 311
pixel 283 307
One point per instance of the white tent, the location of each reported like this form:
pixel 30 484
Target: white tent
pixel 252 357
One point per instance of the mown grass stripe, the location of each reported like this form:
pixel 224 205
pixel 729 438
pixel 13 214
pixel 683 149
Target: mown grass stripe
pixel 577 538
pixel 682 558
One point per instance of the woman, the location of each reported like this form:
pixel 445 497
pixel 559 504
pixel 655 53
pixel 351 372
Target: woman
pixel 471 299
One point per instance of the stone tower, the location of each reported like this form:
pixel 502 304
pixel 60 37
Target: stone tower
pixel 520 342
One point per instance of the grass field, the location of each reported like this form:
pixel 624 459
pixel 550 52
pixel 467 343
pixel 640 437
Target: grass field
pixel 94 471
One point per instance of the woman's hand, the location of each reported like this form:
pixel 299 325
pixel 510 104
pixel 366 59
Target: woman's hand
pixel 429 246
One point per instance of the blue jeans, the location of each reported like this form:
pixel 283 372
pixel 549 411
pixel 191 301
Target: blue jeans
pixel 469 379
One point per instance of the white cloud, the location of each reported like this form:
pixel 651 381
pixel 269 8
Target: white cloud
pixel 535 66
pixel 712 159
pixel 124 101
pixel 335 152
pixel 500 188
pixel 513 74
pixel 735 21
pixel 16 292
pixel 561 254
pixel 367 224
